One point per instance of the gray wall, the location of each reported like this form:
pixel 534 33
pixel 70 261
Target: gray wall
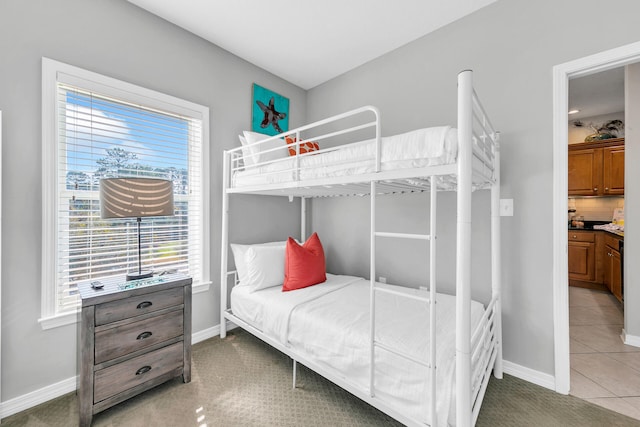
pixel 512 46
pixel 117 39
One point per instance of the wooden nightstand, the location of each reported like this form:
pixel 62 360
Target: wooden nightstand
pixel 133 336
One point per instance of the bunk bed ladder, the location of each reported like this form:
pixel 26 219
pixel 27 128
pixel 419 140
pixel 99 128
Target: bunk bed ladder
pixel 430 300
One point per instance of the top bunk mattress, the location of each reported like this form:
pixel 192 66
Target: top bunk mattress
pixel 425 147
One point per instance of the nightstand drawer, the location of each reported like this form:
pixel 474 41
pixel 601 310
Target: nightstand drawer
pixel 137 305
pixel 121 340
pixel 123 376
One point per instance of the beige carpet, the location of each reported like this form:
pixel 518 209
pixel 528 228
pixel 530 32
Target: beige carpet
pixel 241 381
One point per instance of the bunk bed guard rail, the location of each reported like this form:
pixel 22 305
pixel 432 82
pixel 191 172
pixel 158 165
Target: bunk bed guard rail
pixel 239 159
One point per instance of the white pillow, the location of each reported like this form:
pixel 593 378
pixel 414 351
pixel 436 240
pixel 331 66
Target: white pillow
pixel 265 266
pixel 249 160
pixel 239 252
pixel 258 151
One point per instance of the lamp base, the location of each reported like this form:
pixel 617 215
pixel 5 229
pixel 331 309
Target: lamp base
pixel 139 275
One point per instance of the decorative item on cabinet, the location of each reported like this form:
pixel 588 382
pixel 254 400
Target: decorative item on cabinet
pixel 607 130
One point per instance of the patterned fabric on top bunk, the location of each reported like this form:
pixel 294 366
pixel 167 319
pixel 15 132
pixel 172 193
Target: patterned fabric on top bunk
pixel 305 147
pixel 329 323
pixel 419 148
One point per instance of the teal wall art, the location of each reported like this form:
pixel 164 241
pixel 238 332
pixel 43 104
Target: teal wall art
pixel 270 111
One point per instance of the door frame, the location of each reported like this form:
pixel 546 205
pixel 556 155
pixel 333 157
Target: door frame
pixel 1 411
pixel 592 64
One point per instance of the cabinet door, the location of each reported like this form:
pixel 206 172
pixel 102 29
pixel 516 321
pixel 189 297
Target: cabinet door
pixel 607 267
pixel 615 274
pixel 582 261
pixel 585 172
pixel 613 170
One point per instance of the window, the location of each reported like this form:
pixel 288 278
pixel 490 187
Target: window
pixel 95 127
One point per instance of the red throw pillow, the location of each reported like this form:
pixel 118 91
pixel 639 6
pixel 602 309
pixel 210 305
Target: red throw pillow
pixel 303 265
pixel 305 147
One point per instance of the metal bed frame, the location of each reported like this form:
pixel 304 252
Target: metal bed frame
pixel 478 350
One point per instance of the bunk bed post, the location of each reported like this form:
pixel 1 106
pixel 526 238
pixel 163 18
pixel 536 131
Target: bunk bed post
pixel 496 287
pixel 463 251
pixel 303 219
pixel 378 140
pixel 372 248
pixel 432 295
pixel 295 372
pixel 372 291
pixel 224 242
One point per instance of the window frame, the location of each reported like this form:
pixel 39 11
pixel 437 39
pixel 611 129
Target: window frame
pixel 54 72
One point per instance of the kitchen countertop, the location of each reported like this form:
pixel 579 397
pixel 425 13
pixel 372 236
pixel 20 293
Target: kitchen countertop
pixel 588 226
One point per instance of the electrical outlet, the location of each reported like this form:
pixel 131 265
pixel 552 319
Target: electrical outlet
pixel 506 207
pixel 382 279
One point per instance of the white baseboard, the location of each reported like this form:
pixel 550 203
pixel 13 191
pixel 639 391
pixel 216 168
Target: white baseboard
pixel 29 400
pixel 205 334
pixel 531 375
pixel 34 398
pixel 630 339
pixel 37 397
pixel 209 333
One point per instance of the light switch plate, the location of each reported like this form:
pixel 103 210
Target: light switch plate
pixel 506 207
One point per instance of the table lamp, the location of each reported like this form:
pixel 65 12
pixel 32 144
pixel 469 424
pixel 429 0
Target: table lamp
pixel 136 198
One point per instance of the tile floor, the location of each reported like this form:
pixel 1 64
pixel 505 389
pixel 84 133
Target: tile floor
pixel 604 370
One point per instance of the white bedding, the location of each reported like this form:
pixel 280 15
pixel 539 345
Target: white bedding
pixel 420 148
pixel 329 323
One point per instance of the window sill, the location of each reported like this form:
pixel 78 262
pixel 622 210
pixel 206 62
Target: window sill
pixel 200 287
pixel 73 317
pixel 59 320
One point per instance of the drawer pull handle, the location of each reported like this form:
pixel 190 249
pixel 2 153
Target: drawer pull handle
pixel 144 304
pixel 143 370
pixel 144 335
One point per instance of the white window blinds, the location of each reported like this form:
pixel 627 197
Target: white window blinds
pixel 98 137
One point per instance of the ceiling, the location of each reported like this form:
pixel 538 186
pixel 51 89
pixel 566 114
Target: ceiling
pixel 309 42
pixel 597 94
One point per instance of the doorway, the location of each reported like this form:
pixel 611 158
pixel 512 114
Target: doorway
pixel 599 360
pixel 561 74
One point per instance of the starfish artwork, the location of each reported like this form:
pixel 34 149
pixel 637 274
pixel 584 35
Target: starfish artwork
pixel 271 115
pixel 269 111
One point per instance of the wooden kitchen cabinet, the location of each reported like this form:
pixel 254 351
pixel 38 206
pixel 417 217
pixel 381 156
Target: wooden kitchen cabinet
pixel 582 256
pixel 614 274
pixel 596 168
pixel 613 170
pixel 594 261
pixel 612 266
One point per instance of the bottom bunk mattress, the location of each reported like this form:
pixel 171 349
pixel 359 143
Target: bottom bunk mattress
pixel 329 324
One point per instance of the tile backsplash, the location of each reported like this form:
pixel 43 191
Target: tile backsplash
pixel 596 208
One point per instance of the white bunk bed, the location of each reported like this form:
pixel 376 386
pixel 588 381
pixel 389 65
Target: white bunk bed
pixel 460 160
